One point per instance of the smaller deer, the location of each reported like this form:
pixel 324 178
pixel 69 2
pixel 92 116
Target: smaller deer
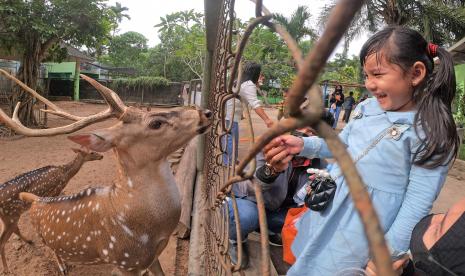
pixel 45 181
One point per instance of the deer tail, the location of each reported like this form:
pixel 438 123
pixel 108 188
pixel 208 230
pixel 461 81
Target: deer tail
pixel 28 197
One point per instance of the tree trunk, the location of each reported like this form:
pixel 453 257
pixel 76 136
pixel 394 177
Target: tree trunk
pixel 29 74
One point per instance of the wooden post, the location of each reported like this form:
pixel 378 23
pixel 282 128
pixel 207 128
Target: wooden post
pixel 77 71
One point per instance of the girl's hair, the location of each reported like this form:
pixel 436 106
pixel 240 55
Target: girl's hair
pixel 338 88
pixel 433 97
pixel 251 72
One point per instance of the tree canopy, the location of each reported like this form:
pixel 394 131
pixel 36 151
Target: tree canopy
pixel 33 27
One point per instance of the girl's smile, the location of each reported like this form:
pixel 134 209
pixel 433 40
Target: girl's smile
pixel 388 83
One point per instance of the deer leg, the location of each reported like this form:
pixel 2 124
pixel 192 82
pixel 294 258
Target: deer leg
pixel 17 232
pixel 120 272
pixel 4 236
pixel 61 265
pixel 156 269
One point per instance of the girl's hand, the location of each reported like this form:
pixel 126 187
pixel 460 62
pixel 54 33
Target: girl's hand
pixel 398 266
pixel 291 143
pixel 279 152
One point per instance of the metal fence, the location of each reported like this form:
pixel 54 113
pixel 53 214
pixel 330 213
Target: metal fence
pixel 210 234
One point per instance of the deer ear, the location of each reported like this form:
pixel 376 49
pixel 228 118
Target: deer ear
pixel 75 150
pixel 92 141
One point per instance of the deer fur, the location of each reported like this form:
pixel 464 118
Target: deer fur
pixel 45 181
pixel 129 223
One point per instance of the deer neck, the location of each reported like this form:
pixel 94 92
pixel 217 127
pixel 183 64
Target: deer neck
pixel 151 179
pixel 74 166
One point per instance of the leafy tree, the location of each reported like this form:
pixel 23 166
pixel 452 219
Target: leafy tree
pixel 32 27
pixel 182 36
pixel 118 14
pixel 127 50
pixel 344 70
pixel 441 21
pixel 297 24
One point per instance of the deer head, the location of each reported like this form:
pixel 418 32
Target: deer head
pixel 146 134
pixel 150 136
pixel 88 155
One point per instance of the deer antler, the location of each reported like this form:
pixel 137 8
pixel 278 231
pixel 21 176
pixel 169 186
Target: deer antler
pixel 54 109
pixel 116 109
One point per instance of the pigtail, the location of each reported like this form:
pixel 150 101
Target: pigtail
pixel 439 142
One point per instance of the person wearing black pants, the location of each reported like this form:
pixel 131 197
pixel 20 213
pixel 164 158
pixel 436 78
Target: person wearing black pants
pixel 348 106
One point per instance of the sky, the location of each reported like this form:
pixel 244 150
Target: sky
pixel 146 14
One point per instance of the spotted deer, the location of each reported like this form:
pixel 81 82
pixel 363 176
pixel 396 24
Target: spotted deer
pixel 127 224
pixel 45 181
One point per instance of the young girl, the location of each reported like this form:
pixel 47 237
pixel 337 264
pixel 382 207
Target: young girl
pixel 403 172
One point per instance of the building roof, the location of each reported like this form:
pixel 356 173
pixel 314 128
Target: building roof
pixel 75 53
pixel 458 51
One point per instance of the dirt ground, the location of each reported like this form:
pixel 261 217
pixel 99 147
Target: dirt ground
pixel 21 155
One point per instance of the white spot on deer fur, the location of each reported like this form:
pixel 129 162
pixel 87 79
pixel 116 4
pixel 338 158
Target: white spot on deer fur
pixel 63 213
pixel 74 208
pixel 97 206
pixel 127 230
pixel 126 255
pixel 130 183
pixel 110 245
pixel 84 246
pixel 88 238
pixel 89 191
pixel 123 263
pixel 90 204
pixel 68 219
pixel 137 262
pixel 105 252
pixel 113 239
pixel 144 238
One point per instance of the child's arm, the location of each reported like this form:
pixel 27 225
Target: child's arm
pixel 423 188
pixel 316 147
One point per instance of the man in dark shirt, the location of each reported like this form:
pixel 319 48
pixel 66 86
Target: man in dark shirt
pixel 348 105
pixel 278 189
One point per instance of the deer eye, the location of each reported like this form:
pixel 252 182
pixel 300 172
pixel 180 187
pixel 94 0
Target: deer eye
pixel 155 124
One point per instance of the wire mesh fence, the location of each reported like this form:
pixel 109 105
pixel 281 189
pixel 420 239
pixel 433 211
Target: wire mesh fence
pixel 210 236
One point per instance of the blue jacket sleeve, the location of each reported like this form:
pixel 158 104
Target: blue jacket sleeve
pixel 423 188
pixel 316 147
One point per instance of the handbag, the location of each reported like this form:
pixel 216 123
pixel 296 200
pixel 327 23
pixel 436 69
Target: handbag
pixel 321 193
pixel 323 186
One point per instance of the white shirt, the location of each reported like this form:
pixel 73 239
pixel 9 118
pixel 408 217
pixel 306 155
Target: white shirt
pixel 248 94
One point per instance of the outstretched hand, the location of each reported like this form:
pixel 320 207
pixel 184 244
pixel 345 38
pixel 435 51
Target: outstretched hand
pixel 281 150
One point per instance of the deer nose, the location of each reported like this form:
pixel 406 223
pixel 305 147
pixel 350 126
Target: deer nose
pixel 208 113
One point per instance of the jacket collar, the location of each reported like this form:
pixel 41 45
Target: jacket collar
pixel 370 107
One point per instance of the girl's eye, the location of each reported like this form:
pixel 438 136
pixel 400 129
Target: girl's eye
pixel 155 124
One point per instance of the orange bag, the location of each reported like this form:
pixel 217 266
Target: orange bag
pixel 290 231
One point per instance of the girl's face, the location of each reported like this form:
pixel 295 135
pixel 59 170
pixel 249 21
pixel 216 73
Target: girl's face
pixel 388 83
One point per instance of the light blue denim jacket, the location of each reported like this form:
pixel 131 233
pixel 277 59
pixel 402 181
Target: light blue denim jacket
pixel 402 193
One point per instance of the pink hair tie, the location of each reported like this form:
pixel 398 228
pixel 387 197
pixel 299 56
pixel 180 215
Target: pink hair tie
pixel 432 50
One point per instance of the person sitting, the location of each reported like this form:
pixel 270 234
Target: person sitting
pixel 279 188
pixel 438 243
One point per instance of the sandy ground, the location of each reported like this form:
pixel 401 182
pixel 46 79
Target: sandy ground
pixel 21 155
